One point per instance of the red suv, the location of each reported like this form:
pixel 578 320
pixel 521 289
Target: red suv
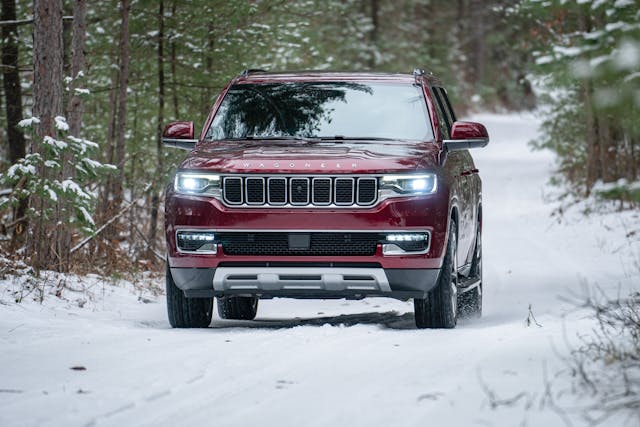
pixel 325 185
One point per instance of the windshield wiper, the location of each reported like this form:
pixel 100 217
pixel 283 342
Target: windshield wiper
pixel 278 138
pixel 352 138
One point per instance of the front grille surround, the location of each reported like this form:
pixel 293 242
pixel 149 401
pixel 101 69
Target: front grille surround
pixel 300 191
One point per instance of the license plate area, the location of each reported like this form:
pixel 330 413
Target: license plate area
pixel 299 241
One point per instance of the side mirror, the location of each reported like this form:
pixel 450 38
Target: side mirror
pixel 179 135
pixel 465 135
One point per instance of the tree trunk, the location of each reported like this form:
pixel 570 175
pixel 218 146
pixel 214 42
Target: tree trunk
pixel 476 48
pixel 608 147
pixel 13 99
pixel 74 61
pixel 75 108
pixel 374 33
pixel 121 118
pixel 174 73
pixel 155 199
pixel 104 205
pixel 594 168
pixel 47 95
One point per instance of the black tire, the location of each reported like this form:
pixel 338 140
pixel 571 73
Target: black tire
pixel 186 312
pixel 470 302
pixel 440 308
pixel 237 308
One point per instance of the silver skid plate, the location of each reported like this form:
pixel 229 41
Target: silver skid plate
pixel 291 278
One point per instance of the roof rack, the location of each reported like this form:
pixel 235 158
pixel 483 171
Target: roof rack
pixel 419 73
pixel 245 73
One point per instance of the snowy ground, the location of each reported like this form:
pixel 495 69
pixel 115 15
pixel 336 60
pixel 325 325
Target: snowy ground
pixel 334 363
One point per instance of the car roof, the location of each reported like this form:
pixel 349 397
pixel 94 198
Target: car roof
pixel 259 76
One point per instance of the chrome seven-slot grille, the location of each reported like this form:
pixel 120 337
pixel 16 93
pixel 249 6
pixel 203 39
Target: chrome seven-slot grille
pixel 295 190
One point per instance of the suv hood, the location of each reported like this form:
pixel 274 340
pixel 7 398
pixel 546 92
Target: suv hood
pixel 312 157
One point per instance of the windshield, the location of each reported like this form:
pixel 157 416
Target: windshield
pixel 328 110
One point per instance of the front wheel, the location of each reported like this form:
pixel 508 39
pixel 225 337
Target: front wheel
pixel 186 312
pixel 440 308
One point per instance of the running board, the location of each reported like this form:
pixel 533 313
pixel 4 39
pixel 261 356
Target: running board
pixel 468 283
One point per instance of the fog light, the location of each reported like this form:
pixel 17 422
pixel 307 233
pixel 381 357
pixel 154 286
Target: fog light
pixel 413 237
pixel 196 241
pixel 406 243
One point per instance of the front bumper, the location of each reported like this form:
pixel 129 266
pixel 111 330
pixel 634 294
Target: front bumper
pixel 397 276
pixel 411 214
pixel 342 281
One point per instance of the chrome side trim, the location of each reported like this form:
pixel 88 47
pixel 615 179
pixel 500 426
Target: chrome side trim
pixel 391 249
pixel 181 143
pixel 292 278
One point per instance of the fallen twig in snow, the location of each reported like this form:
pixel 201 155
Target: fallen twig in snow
pixel 532 319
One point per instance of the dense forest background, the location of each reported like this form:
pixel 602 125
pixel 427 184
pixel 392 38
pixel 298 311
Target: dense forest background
pixel 88 87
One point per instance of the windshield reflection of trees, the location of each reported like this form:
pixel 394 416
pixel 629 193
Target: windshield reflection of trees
pixel 280 110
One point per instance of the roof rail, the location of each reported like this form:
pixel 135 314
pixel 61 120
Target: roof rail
pixel 419 73
pixel 248 71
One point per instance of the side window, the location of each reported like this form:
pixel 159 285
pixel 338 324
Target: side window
pixel 445 125
pixel 447 104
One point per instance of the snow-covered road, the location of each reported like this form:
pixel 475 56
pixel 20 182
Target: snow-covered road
pixel 332 363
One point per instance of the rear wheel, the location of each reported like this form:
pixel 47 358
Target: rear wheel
pixel 440 308
pixel 238 308
pixel 186 312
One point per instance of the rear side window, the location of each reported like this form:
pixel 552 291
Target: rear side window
pixel 445 124
pixel 446 104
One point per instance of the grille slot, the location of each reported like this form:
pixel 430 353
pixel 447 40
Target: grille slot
pixel 233 190
pixel 300 191
pixel 255 191
pixel 367 190
pixel 277 190
pixel 321 191
pixel 277 244
pixel 344 191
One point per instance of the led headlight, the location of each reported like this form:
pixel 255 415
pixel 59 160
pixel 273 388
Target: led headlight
pixel 197 183
pixel 410 184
